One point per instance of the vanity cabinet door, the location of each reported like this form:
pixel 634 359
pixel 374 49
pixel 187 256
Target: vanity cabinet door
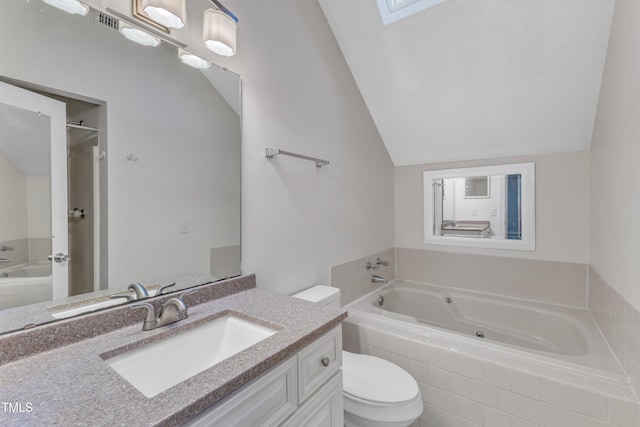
pixel 266 401
pixel 323 409
pixel 318 361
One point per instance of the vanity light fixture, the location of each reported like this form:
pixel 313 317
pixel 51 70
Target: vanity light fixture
pixel 168 13
pixel 138 36
pixel 219 30
pixel 73 7
pixel 192 60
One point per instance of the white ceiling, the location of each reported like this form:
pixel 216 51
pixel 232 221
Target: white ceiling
pixel 469 79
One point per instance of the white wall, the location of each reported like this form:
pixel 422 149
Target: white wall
pixel 39 206
pixel 562 207
pixel 299 95
pixel 182 173
pixel 13 201
pixel 615 152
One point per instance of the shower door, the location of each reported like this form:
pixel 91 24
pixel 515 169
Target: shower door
pixel 48 160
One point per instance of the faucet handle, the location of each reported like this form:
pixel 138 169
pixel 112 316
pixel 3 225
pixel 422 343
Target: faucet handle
pixel 182 295
pixel 128 296
pixel 381 262
pixel 141 291
pixel 150 319
pixel 370 266
pixel 162 288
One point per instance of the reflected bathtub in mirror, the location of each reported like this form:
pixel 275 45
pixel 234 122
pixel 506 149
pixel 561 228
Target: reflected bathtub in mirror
pixel 498 212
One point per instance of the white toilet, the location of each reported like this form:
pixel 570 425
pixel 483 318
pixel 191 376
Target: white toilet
pixel 377 393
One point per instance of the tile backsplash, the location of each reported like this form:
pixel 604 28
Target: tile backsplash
pixel 548 281
pixel 619 322
pixel 354 280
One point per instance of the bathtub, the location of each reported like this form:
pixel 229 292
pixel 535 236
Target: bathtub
pixel 25 284
pixel 559 335
pixel 27 270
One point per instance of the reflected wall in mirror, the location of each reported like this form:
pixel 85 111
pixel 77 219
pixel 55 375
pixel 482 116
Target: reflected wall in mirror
pixel 476 186
pixel 491 207
pixel 153 174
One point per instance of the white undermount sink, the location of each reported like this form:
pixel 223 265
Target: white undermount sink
pixel 159 366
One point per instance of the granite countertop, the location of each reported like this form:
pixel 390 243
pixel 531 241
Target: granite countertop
pixel 13 319
pixel 74 386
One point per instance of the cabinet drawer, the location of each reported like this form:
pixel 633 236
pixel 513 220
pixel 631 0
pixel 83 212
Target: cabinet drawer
pixel 265 401
pixel 318 361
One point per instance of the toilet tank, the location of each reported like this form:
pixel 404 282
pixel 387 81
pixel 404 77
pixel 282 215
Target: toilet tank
pixel 325 295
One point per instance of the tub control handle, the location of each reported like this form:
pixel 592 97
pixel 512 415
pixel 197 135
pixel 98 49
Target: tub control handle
pixel 325 361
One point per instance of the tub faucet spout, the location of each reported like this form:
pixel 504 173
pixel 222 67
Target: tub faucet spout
pixel 4 261
pixel 377 279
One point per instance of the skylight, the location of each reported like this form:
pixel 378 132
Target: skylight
pixel 394 10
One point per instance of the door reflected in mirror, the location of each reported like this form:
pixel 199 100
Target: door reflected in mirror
pixel 25 207
pixel 493 210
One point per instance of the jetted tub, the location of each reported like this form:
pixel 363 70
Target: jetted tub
pixel 27 270
pixel 25 284
pixel 554 332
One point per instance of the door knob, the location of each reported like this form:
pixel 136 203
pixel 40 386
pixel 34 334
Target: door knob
pixel 59 257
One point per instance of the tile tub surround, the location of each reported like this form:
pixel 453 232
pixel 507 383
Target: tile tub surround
pixel 463 385
pixel 619 322
pixel 548 281
pixel 19 344
pixel 74 385
pixel 19 254
pixel 354 280
pixel 26 250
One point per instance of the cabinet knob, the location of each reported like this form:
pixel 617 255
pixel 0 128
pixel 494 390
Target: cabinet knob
pixel 325 361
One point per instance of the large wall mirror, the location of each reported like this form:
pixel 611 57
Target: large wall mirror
pixel 486 207
pixel 145 185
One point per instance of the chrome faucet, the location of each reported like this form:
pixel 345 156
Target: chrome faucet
pixel 4 248
pixel 127 295
pixel 174 310
pixel 4 261
pixel 381 262
pixel 162 288
pixel 370 266
pixel 140 291
pixel 377 279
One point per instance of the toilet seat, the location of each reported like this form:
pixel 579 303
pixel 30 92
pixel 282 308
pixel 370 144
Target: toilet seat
pixel 376 380
pixel 378 391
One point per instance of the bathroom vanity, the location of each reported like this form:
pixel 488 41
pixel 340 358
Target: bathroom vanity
pixel 290 377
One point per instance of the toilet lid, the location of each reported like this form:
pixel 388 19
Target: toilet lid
pixel 376 380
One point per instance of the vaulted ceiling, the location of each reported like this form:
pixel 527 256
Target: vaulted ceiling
pixel 471 79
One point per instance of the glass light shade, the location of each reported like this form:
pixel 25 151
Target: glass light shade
pixel 193 60
pixel 219 32
pixel 70 6
pixel 136 35
pixel 168 13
